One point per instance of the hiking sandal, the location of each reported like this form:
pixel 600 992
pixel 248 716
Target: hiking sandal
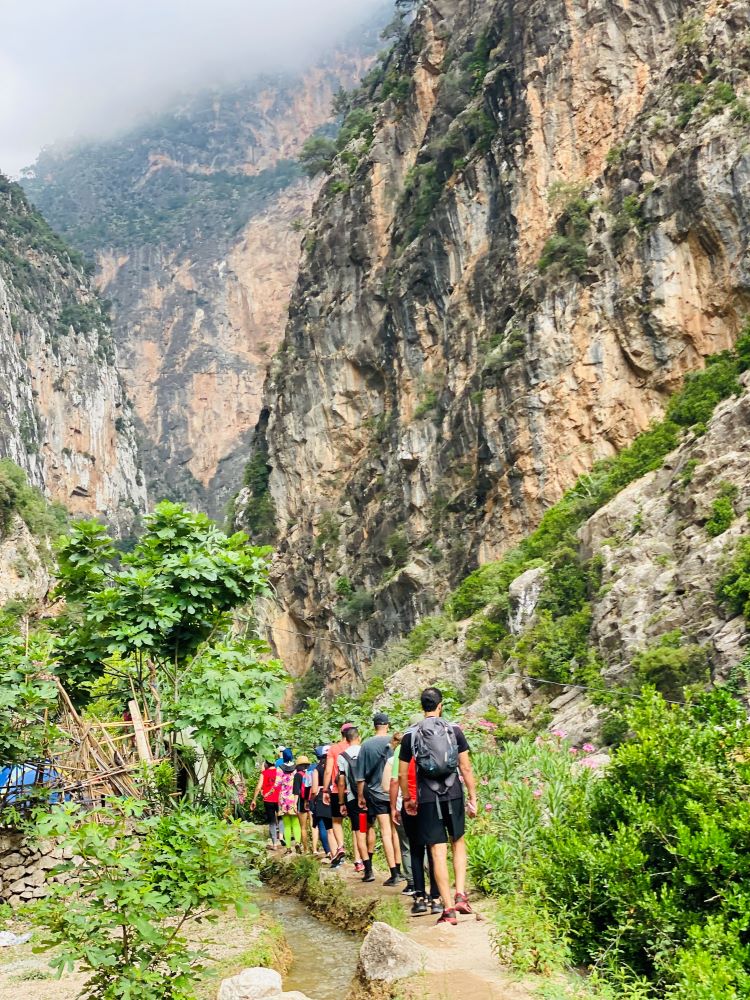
pixel 448 917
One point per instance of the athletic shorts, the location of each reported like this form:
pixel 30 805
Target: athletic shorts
pixel 357 816
pixel 377 808
pixel 441 821
pixel 272 810
pixel 335 811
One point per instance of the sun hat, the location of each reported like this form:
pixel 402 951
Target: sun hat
pixel 303 760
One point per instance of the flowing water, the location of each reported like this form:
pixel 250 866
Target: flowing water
pixel 325 958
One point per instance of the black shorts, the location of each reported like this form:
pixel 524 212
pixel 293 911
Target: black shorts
pixel 375 807
pixel 358 818
pixel 335 811
pixel 272 810
pixel 441 821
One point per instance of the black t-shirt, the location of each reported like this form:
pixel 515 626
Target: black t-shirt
pixel 427 794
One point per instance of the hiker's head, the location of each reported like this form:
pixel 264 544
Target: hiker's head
pixel 346 727
pixel 432 700
pixel 321 751
pixel 396 739
pixel 352 735
pixel 303 763
pixel 268 763
pixel 287 755
pixel 380 720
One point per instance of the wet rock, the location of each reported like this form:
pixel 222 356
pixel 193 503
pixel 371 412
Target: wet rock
pixel 523 594
pixel 387 954
pixel 251 984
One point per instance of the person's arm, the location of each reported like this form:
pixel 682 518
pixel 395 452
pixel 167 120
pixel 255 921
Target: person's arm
pixel 359 774
pixel 315 786
pixel 403 779
pixel 327 780
pixel 393 788
pixel 256 793
pixel 467 773
pixel 342 793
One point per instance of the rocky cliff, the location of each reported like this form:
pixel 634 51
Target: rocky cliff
pixel 541 227
pixel 64 416
pixel 195 222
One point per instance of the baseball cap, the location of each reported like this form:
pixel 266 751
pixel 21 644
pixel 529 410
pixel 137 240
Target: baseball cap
pixel 380 719
pixel 347 725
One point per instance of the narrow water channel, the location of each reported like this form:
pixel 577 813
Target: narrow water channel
pixel 325 958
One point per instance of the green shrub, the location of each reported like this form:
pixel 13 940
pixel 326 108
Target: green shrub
pixel 703 390
pixel 554 648
pixel 659 848
pixel 734 585
pixel 671 664
pixel 722 510
pixel 317 155
pixel 567 248
pixel 259 516
pixel 44 520
pixel 343 587
pixel 360 605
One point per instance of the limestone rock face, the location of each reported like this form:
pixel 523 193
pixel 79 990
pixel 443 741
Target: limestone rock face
pixel 251 984
pixel 388 955
pixel 64 415
pixel 197 237
pixel 541 240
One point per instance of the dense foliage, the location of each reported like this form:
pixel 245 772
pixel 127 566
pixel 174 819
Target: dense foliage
pixel 141 882
pixel 46 521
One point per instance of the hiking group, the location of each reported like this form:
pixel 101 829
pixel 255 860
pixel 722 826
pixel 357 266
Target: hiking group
pixel 414 788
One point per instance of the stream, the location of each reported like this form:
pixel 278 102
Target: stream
pixel 325 957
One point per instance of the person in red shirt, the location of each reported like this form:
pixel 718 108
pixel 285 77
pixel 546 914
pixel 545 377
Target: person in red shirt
pixel 330 795
pixel 269 786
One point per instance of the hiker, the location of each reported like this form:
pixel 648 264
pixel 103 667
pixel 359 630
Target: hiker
pixel 373 794
pixel 441 752
pixel 417 850
pixel 269 786
pixel 322 821
pixel 394 793
pixel 331 796
pixel 349 804
pixel 288 806
pixel 301 788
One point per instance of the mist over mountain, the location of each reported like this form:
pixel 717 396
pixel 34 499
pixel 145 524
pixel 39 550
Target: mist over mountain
pixel 91 74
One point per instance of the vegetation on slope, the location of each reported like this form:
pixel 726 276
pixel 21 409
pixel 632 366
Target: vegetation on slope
pixel 46 521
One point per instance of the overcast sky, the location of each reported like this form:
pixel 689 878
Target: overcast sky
pixel 90 67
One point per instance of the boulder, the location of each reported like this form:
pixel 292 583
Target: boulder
pixel 292 995
pixel 251 984
pixel 387 954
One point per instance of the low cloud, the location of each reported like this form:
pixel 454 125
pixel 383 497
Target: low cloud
pixel 92 67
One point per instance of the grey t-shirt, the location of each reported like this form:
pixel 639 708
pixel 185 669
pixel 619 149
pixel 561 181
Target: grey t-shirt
pixel 352 753
pixel 373 757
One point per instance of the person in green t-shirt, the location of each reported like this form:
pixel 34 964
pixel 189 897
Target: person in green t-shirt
pixel 403 840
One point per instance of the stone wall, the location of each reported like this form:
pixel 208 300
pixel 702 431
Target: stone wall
pixel 26 868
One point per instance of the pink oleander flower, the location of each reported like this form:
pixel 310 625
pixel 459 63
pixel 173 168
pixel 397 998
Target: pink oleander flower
pixel 484 781
pixel 538 792
pixel 588 748
pixel 559 733
pixel 591 764
pixel 574 751
pixel 489 807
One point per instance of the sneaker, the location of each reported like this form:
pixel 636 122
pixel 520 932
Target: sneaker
pixel 462 903
pixel 337 861
pixel 408 890
pixel 436 906
pixel 282 842
pixel 419 906
pixel 368 877
pixel 448 917
pixel 359 866
pixel 393 880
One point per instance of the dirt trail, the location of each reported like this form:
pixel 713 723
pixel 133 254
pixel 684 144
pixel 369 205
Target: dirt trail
pixel 460 963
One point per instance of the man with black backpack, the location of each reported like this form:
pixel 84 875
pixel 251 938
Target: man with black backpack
pixel 441 752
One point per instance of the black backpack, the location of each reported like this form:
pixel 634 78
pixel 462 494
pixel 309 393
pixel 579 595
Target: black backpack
pixel 435 750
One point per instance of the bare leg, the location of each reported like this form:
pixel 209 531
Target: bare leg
pixel 439 854
pixel 384 822
pixel 459 863
pixel 396 844
pixel 315 837
pixel 337 835
pixel 371 840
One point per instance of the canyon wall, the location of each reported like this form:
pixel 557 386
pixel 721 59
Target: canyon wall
pixel 64 416
pixel 543 228
pixel 195 220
